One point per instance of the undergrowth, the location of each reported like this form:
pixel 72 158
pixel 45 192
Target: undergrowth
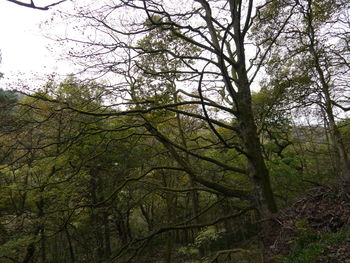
pixel 309 245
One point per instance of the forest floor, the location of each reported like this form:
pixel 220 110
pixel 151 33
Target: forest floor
pixel 315 229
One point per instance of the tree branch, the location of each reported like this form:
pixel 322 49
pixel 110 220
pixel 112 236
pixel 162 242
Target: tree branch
pixel 33 6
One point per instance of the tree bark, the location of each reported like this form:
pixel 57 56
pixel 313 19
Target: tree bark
pixel 257 170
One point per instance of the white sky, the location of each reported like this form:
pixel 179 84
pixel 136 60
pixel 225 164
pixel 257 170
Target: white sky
pixel 22 44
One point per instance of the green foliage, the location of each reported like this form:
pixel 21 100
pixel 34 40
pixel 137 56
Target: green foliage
pixel 7 97
pixel 189 251
pixel 207 236
pixel 204 240
pixel 308 245
pixel 286 177
pixel 323 10
pixel 16 248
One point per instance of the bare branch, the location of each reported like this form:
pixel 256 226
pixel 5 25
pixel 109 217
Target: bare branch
pixel 33 6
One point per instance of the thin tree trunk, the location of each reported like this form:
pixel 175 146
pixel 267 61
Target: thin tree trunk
pixel 96 217
pixel 40 206
pixel 42 244
pixel 107 235
pixel 29 253
pixel 147 218
pixel 71 250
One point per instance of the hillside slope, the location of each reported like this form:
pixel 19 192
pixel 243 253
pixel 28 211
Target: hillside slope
pixel 315 229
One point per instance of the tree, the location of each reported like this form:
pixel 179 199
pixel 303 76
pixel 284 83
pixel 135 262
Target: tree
pixel 219 31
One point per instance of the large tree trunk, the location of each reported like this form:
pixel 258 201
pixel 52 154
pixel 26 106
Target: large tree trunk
pixel 257 170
